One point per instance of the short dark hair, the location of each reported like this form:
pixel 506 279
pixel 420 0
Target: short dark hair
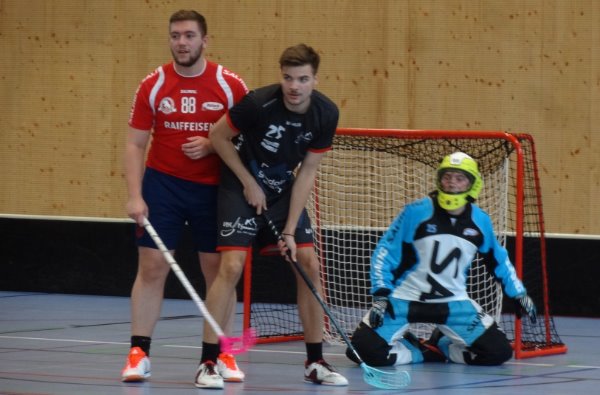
pixel 190 15
pixel 299 55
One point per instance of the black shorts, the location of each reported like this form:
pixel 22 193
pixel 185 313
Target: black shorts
pixel 241 228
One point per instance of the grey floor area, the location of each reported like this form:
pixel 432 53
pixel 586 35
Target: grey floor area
pixel 73 344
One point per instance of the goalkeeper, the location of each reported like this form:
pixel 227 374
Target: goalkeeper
pixel 419 274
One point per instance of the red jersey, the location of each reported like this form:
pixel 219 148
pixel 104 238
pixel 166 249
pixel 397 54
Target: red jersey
pixel 176 107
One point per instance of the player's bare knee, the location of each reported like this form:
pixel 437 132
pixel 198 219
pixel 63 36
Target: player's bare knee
pixel 232 265
pixel 308 259
pixel 231 271
pixel 152 268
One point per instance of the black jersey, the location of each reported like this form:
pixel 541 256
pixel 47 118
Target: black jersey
pixel 274 140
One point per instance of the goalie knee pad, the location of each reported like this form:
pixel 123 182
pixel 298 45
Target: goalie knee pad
pixel 491 348
pixel 371 347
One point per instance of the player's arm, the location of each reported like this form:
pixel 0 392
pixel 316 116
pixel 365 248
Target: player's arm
pixel 386 258
pixel 197 147
pixel 220 136
pixel 388 255
pixel 303 184
pixel 513 286
pixel 135 154
pixel 503 268
pixel 506 273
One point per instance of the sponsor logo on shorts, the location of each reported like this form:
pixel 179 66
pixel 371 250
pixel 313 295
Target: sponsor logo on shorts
pixel 246 226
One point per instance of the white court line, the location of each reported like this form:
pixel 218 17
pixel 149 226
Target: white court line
pixel 583 367
pixel 250 350
pixel 530 364
pixel 255 350
pixel 60 340
pixel 127 343
pixel 551 365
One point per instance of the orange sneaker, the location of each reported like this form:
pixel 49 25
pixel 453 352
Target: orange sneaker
pixel 137 366
pixel 228 368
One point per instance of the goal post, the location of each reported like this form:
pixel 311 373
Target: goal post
pixel 363 184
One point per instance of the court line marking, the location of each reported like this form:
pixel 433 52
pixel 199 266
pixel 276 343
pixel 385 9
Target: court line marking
pixel 256 350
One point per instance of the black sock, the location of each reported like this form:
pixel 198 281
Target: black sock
pixel 142 342
pixel 210 352
pixel 314 352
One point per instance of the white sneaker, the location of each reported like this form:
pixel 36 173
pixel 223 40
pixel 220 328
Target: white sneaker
pixel 207 376
pixel 228 368
pixel 321 372
pixel 137 366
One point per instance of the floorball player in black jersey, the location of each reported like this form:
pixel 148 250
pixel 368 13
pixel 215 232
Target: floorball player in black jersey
pixel 272 142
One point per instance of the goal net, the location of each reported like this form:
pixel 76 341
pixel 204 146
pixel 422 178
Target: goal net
pixel 363 184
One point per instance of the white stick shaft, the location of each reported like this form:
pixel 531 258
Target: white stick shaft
pixel 182 278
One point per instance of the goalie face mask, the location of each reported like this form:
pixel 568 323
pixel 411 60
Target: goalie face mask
pixel 458 162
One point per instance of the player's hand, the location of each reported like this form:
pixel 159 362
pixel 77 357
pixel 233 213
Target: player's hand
pixel 287 245
pixel 137 210
pixel 255 197
pixel 524 304
pixel 381 304
pixel 197 147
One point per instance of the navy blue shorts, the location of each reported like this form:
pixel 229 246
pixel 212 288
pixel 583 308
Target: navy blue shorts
pixel 239 226
pixel 173 202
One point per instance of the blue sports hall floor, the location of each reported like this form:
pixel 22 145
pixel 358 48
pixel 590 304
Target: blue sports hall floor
pixel 74 344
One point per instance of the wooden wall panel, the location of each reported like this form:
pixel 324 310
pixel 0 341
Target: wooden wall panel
pixel 68 71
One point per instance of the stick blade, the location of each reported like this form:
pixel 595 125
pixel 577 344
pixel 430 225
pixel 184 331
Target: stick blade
pixel 238 345
pixel 394 379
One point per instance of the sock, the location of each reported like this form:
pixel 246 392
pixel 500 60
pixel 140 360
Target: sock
pixel 210 352
pixel 314 352
pixel 142 342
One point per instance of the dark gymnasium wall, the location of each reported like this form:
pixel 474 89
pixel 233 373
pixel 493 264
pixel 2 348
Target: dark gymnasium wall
pixel 100 258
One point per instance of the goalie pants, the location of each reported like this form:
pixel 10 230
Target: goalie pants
pixel 471 335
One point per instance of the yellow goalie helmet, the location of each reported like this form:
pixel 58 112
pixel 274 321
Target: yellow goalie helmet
pixel 459 161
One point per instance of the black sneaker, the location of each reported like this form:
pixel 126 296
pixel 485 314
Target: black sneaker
pixel 431 353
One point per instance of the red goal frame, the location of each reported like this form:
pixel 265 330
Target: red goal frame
pixel 525 170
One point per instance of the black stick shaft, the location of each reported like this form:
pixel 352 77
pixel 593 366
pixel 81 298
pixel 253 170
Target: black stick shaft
pixel 312 288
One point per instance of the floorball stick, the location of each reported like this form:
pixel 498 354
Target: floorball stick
pixel 395 379
pixel 230 345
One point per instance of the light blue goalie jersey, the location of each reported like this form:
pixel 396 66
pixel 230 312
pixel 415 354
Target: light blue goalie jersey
pixel 425 255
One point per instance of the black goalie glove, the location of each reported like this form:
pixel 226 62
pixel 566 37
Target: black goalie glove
pixel 524 304
pixel 381 304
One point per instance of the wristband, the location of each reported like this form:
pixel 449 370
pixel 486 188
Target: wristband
pixel 289 234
